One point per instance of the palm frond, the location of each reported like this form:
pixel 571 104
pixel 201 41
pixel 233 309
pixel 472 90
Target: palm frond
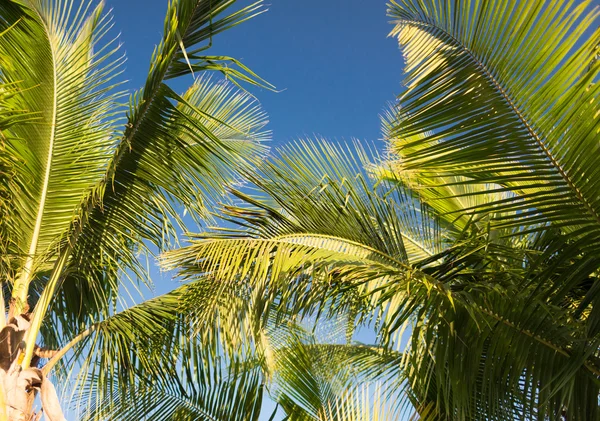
pixel 487 341
pixel 459 201
pixel 65 71
pixel 181 347
pixel 13 155
pixel 365 403
pixel 320 188
pixel 476 308
pixel 218 393
pixel 182 163
pixel 317 381
pixel 485 102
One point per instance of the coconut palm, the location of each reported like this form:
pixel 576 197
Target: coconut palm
pixel 327 255
pixel 89 184
pixel 477 233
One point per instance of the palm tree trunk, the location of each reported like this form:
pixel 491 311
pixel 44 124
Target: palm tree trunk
pixel 19 386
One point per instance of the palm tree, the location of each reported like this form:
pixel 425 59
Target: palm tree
pixel 477 233
pixel 88 184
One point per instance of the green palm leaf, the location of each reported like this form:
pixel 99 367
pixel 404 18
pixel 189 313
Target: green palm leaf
pixel 320 381
pixel 185 352
pixel 167 155
pixel 476 309
pixel 182 166
pixel 65 73
pixel 496 108
pixel 83 200
pixel 331 226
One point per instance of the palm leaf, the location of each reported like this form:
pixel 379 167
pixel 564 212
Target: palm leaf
pixel 318 381
pixel 458 200
pixel 492 106
pixel 182 353
pixel 182 166
pixel 484 340
pixel 65 73
pixel 475 304
pixel 218 394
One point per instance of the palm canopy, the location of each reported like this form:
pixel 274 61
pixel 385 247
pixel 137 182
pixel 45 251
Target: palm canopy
pixel 88 183
pixel 478 231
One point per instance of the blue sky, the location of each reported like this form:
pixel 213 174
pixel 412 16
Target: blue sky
pixel 331 61
pixel 331 58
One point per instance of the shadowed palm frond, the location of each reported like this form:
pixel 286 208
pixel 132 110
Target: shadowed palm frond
pixel 476 308
pixel 174 350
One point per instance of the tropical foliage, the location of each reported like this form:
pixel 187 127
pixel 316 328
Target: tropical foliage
pixel 470 247
pixel 89 184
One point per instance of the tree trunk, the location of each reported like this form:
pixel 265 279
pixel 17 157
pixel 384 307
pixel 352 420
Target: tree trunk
pixel 21 386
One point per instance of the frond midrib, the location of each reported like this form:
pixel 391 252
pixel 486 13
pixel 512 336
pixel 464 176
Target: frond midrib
pixel 21 287
pixel 520 115
pixel 417 244
pixel 565 352
pixel 282 238
pixel 124 144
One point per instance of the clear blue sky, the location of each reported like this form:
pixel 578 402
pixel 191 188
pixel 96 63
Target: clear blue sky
pixel 331 59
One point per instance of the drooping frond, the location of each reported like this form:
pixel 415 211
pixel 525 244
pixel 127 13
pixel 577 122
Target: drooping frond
pixel 218 393
pixel 497 133
pixel 178 350
pixel 326 220
pixel 320 188
pixel 318 381
pixel 483 341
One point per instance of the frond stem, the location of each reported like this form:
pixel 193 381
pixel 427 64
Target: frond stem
pixel 58 356
pixel 539 339
pixel 282 238
pixel 44 301
pixel 21 287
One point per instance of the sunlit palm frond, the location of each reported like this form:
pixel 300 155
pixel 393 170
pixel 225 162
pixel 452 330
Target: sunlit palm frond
pixel 475 307
pixel 320 188
pixel 490 123
pixel 186 166
pixel 458 200
pixel 366 403
pixel 485 102
pixel 65 69
pixel 92 201
pixel 13 156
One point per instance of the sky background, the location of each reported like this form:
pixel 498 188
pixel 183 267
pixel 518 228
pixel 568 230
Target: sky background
pixel 331 61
